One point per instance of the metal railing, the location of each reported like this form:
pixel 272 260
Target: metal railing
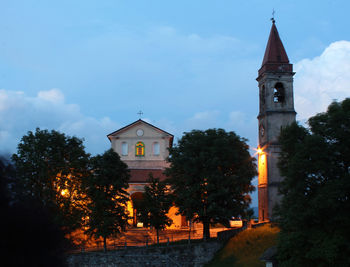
pixel 139 238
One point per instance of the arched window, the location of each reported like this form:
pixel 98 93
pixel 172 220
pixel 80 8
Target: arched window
pixel 262 95
pixel 140 149
pixel 125 149
pixel 278 93
pixel 156 149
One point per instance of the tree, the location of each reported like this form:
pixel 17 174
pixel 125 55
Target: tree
pixel 6 175
pixel 155 205
pixel 106 188
pixel 313 214
pixel 50 167
pixel 27 229
pixel 210 175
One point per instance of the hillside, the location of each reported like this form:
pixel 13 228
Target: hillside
pixel 245 248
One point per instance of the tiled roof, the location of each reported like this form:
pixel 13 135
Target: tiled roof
pixel 275 52
pixel 275 58
pixel 142 175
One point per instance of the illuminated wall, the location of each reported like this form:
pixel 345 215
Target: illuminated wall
pixel 262 169
pixel 262 187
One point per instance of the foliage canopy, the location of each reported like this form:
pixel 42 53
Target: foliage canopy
pixel 26 228
pixel 314 212
pixel 155 205
pixel 50 167
pixel 210 175
pixel 106 189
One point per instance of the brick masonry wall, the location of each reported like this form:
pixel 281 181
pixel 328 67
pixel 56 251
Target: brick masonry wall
pixel 176 255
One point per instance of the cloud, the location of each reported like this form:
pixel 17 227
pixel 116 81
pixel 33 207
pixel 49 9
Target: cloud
pixel 20 113
pixel 54 95
pixel 203 120
pixel 321 80
pixel 241 123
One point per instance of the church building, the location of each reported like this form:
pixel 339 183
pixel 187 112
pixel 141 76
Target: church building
pixel 276 110
pixel 144 148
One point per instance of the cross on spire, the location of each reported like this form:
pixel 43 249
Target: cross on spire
pixel 273 15
pixel 140 113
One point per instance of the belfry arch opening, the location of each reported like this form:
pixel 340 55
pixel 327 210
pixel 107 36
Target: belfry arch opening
pixel 278 93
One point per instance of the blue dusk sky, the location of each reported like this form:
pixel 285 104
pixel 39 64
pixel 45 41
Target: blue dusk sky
pixel 86 68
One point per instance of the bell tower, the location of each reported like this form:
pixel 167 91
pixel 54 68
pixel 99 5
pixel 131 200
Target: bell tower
pixel 276 109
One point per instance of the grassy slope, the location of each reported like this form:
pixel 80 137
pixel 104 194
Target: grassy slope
pixel 246 248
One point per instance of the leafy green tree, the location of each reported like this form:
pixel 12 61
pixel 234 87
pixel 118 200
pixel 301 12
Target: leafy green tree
pixel 155 205
pixel 314 212
pixel 106 189
pixel 210 175
pixel 50 167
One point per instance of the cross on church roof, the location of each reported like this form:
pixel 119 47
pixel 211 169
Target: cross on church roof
pixel 140 113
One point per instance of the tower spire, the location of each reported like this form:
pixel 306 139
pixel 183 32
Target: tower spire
pixel 275 57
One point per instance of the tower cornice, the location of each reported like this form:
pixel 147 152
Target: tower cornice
pixel 268 112
pixel 279 73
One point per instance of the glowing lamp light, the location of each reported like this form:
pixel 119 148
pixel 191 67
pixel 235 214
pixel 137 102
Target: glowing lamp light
pixel 259 150
pixel 64 192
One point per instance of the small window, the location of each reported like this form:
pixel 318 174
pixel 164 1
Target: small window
pixel 140 149
pixel 278 93
pixel 156 148
pixel 262 95
pixel 125 149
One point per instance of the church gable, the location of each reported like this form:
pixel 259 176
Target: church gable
pixel 140 141
pixel 140 129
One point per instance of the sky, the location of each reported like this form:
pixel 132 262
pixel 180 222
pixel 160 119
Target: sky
pixel 86 68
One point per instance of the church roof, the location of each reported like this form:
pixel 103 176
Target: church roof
pixel 142 175
pixel 275 58
pixel 139 121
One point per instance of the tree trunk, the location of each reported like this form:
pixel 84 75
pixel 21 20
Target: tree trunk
pixel 157 236
pixel 104 244
pixel 134 219
pixel 206 230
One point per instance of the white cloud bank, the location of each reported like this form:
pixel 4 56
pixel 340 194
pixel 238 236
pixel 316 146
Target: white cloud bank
pixel 321 80
pixel 20 113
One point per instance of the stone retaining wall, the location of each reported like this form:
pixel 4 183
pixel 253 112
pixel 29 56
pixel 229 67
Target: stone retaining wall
pixel 175 255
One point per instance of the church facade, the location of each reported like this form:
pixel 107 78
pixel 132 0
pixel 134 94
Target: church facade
pixel 144 148
pixel 276 110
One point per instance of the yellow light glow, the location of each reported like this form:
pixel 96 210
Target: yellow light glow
pixel 64 192
pixel 258 151
pixel 262 179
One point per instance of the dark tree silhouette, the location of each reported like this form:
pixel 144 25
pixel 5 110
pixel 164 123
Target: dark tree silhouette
pixel 50 167
pixel 314 214
pixel 210 175
pixel 29 236
pixel 106 188
pixel 155 205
